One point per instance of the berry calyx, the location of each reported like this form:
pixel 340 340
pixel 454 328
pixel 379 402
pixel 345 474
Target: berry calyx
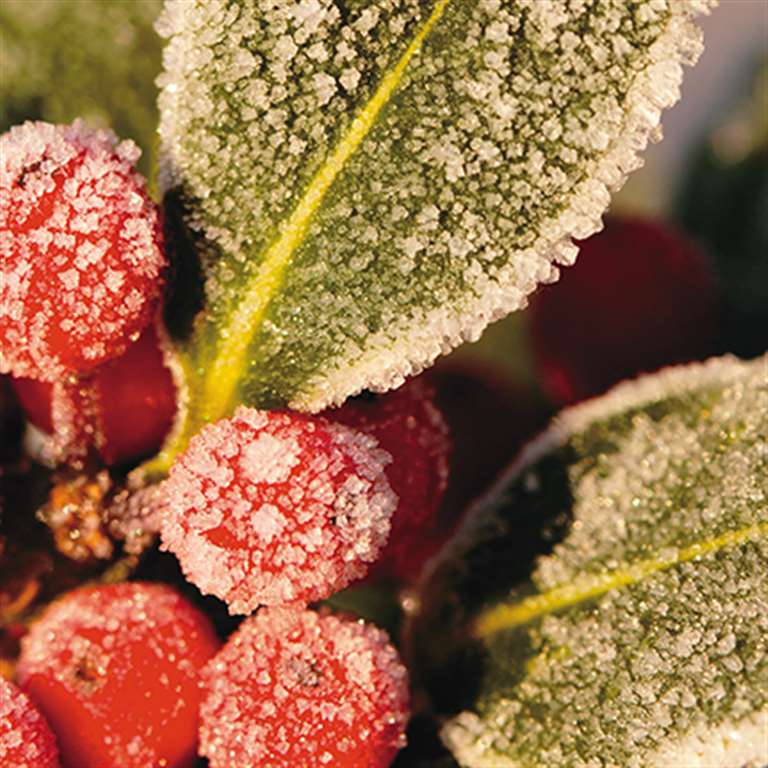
pixel 268 508
pixel 115 670
pixel 26 740
pixel 639 297
pixel 407 423
pixel 81 249
pixel 296 688
pixel 132 401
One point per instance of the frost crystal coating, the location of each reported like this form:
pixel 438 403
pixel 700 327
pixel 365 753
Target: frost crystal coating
pixel 372 185
pixel 269 508
pixel 80 249
pixel 26 740
pixel 99 652
pixel 641 641
pixel 294 688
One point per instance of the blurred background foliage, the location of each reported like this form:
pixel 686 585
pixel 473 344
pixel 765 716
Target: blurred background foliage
pixel 95 59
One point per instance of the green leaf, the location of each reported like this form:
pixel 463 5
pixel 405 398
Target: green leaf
pixel 95 59
pixel 641 638
pixel 371 183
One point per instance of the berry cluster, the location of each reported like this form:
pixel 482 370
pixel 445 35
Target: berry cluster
pixel 268 511
pixel 262 509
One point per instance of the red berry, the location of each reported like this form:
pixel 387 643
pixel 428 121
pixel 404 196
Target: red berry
pixel 296 688
pixel 115 669
pixel 80 249
pixel 268 508
pixel 133 401
pixel 639 297
pixel 407 424
pixel 491 415
pixel 26 741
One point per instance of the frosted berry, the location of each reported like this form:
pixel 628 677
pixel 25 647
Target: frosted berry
pixel 26 740
pixel 115 670
pixel 81 254
pixel 268 508
pixel 296 688
pixel 133 401
pixel 639 297
pixel 407 424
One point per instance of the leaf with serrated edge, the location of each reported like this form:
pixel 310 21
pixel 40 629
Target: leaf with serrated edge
pixel 642 638
pixel 371 183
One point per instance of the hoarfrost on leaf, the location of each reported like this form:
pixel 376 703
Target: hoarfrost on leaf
pixel 371 185
pixel 641 638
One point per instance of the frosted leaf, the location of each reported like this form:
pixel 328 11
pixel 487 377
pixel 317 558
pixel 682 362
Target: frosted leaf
pixel 269 508
pixel 640 640
pixel 296 688
pixel 389 178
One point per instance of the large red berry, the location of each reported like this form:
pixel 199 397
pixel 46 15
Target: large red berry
pixel 115 670
pixel 639 297
pixel 81 254
pixel 293 688
pixel 26 740
pixel 407 424
pixel 132 401
pixel 268 508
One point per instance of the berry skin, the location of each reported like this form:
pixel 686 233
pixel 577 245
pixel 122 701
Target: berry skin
pixel 81 249
pixel 26 741
pixel 115 669
pixel 639 297
pixel 268 508
pixel 296 688
pixel 407 424
pixel 133 401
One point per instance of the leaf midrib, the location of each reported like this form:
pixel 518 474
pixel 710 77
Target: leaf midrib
pixel 583 589
pixel 224 373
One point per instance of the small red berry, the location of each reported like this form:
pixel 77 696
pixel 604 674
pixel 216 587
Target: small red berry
pixel 639 297
pixel 296 688
pixel 407 424
pixel 81 255
pixel 26 740
pixel 115 669
pixel 268 508
pixel 133 401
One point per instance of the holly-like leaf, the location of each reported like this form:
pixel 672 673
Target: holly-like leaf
pixel 370 183
pixel 94 59
pixel 642 637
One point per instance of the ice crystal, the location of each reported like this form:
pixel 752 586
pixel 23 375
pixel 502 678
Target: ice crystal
pixel 80 249
pixel 294 688
pixel 26 740
pixel 372 185
pixel 99 650
pixel 642 638
pixel 273 508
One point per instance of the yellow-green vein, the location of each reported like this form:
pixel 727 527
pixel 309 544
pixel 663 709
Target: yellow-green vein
pixel 589 587
pixel 224 372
